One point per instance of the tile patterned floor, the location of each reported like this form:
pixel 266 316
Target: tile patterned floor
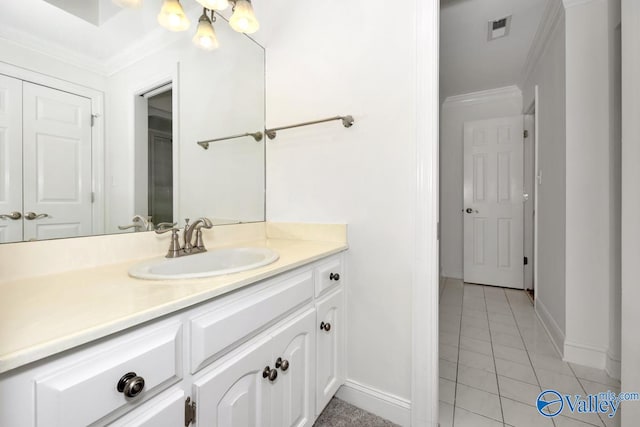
pixel 496 357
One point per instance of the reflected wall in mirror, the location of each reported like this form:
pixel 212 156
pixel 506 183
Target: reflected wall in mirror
pixel 100 112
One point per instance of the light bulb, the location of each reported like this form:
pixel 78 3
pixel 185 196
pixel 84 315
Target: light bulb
pixel 172 16
pixel 243 19
pixel 214 4
pixel 205 37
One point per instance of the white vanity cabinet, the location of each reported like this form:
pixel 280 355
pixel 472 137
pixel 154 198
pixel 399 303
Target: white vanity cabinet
pixel 269 354
pixel 268 383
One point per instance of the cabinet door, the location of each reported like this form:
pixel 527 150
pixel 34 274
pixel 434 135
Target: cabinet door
pixel 292 394
pixel 10 159
pixel 235 394
pixel 329 347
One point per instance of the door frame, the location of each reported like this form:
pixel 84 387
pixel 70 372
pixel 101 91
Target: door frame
pixel 136 92
pixel 425 283
pixel 97 132
pixel 534 110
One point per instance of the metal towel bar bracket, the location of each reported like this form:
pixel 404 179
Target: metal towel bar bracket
pixel 347 121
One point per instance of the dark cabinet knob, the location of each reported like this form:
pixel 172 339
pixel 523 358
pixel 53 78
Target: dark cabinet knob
pixel 325 326
pixel 131 385
pixel 469 210
pixel 270 374
pixel 334 276
pixel 282 364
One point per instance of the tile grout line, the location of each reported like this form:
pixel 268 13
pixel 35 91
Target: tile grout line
pixel 455 391
pixel 535 374
pixel 493 355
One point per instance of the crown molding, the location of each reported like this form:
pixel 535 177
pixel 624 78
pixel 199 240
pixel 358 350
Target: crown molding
pixel 483 96
pixel 551 18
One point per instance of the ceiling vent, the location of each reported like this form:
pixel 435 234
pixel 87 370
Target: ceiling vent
pixel 499 28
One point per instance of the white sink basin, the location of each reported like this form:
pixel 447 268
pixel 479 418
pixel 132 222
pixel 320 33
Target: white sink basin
pixel 207 264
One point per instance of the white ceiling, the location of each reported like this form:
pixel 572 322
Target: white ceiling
pixel 470 63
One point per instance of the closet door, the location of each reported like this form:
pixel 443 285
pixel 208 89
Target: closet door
pixel 57 163
pixel 10 159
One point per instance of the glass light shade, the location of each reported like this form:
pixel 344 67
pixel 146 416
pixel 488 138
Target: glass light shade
pixel 172 16
pixel 243 19
pixel 129 4
pixel 205 37
pixel 214 4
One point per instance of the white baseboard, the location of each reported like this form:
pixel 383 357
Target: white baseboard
pixel 613 367
pixel 385 405
pixel 585 355
pixel 551 326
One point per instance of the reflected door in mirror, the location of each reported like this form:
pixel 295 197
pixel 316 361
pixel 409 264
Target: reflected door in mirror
pixel 50 152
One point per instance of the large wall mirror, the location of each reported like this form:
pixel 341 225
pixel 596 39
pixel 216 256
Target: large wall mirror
pixel 101 110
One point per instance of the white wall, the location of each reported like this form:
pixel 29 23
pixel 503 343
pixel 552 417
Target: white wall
pixel 630 204
pixel 588 210
pixel 455 111
pixel 615 187
pixel 24 57
pixel 548 74
pixel 359 61
pixel 217 94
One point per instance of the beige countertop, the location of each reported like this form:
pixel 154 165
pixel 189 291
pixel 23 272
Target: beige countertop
pixel 44 315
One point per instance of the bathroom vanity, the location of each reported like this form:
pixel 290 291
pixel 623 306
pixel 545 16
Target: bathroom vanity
pixel 261 347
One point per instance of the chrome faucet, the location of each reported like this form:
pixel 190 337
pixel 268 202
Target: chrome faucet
pixel 189 247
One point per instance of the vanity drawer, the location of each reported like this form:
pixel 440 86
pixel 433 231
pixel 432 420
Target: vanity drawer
pixel 162 411
pixel 85 390
pixel 226 326
pixel 328 275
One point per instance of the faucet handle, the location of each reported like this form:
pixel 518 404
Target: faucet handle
pixel 166 226
pixel 163 227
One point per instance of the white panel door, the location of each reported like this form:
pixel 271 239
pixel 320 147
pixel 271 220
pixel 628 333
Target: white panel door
pixel 294 357
pixel 235 394
pixel 10 159
pixel 57 163
pixel 493 202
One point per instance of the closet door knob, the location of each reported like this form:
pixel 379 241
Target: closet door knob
pixel 32 215
pixel 13 215
pixel 325 326
pixel 334 276
pixel 282 364
pixel 131 385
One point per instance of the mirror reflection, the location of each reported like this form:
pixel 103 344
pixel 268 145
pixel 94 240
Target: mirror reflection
pixel 101 110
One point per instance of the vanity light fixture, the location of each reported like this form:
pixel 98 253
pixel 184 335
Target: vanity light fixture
pixel 205 37
pixel 173 18
pixel 214 4
pixel 243 19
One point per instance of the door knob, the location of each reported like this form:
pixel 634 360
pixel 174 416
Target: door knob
pixel 32 215
pixel 469 210
pixel 13 215
pixel 325 326
pixel 334 276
